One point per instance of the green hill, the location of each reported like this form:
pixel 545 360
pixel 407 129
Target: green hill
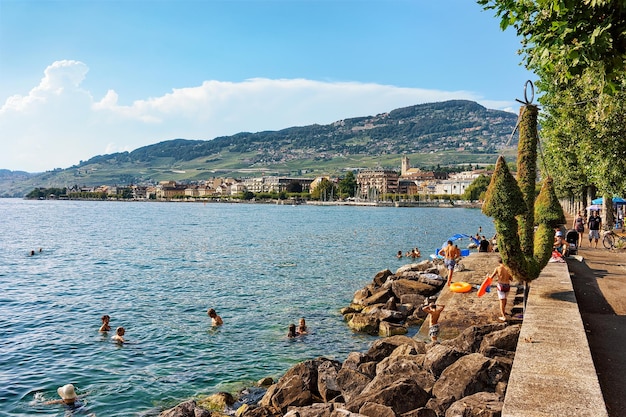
pixel 444 133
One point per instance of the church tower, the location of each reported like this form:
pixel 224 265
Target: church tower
pixel 405 165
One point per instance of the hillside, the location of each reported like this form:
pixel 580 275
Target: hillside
pixel 450 132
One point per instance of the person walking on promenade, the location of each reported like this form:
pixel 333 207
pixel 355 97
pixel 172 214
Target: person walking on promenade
pixel 595 224
pixel 503 287
pixel 449 254
pixel 434 311
pixel 579 225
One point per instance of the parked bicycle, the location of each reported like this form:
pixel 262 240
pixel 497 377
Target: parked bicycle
pixel 613 239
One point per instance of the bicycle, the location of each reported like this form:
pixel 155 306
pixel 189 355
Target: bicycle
pixel 613 239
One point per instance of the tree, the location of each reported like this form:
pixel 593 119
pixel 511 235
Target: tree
pixel 564 37
pixel 347 185
pixel 477 188
pixel 516 211
pixel 324 191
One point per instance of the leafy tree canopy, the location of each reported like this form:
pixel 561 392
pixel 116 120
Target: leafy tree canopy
pixel 564 37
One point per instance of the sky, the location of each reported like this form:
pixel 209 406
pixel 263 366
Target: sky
pixel 84 78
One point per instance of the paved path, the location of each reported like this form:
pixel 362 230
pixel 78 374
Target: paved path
pixel 600 286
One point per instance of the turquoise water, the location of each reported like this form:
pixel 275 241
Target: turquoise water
pixel 155 268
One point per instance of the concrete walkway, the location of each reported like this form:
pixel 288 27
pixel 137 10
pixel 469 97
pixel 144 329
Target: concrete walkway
pixel 553 373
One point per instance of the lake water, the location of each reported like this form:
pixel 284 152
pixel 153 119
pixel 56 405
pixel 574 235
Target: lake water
pixel 155 268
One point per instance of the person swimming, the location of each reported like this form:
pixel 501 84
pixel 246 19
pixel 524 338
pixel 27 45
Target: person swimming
pixel 119 335
pixel 292 331
pixel 105 323
pixel 215 319
pixel 302 326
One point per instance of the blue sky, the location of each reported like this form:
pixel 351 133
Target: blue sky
pixel 83 78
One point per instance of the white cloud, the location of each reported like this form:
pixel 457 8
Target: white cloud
pixel 58 123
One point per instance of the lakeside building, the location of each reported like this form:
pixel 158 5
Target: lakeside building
pixel 275 184
pixel 372 183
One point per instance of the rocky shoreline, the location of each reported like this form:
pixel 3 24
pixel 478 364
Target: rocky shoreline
pixel 399 376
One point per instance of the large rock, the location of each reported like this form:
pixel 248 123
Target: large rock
pixel 313 410
pixel 386 329
pixel 379 297
pixel 401 395
pixel 438 357
pixel 354 359
pixel 327 380
pixel 421 266
pixel 505 339
pixel 364 323
pixel 376 410
pixel 407 286
pixel 414 299
pixel 420 412
pixel 248 411
pixel 298 387
pixel 470 339
pixel 361 295
pixel 381 277
pixel 481 404
pixel 382 348
pixel 186 409
pixel 467 376
pixel 408 367
pixel 351 383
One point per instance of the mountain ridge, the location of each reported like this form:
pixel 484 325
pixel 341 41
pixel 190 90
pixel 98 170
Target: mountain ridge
pixel 454 127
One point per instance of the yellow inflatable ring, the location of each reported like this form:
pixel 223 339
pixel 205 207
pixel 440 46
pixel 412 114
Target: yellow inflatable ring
pixel 460 287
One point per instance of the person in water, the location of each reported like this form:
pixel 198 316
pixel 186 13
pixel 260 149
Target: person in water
pixel 105 323
pixel 399 254
pixel 292 331
pixel 67 394
pixel 215 319
pixel 119 335
pixel 302 326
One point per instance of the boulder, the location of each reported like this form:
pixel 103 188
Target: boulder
pixel 382 348
pixel 505 339
pixel 420 266
pixel 360 295
pixel 409 350
pixel 327 380
pixel 386 329
pixel 481 404
pixel 432 279
pixel 470 339
pixel 412 275
pixel 265 382
pixel 364 323
pixel 376 410
pixel 353 360
pixel 379 297
pixel 186 409
pixel 342 412
pixel 414 299
pixel 401 395
pixel 420 412
pixel 248 411
pixel 297 387
pixel 368 369
pixel 407 286
pixel 438 357
pixel 217 401
pixel 313 410
pixel 381 277
pixel 348 310
pixel 351 382
pixel 467 376
pixel 408 367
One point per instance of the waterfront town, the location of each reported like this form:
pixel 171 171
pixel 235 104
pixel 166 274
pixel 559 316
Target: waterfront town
pixel 370 185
